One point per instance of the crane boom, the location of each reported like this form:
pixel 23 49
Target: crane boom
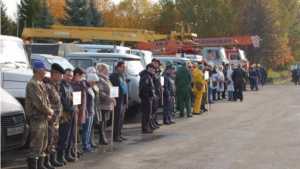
pixel 92 33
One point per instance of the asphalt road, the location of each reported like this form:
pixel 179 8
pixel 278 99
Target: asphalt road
pixel 260 133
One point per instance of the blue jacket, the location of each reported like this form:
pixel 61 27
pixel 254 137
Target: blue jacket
pixel 146 87
pixel 64 90
pixel 253 74
pixel 263 72
pixel 169 87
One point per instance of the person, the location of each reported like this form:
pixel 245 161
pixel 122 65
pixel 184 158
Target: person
pixel 221 80
pixel 263 73
pixel 169 93
pixel 66 128
pixel 98 116
pixel 225 70
pixel 258 75
pixel 38 110
pixel 296 76
pixel 117 79
pixel 204 96
pixel 253 77
pixel 106 102
pixel 199 89
pixel 183 79
pixel 79 85
pixel 54 97
pixel 214 79
pixel 158 90
pixel 147 95
pixel 210 69
pixel 91 80
pixel 247 77
pixel 238 77
pixel 230 87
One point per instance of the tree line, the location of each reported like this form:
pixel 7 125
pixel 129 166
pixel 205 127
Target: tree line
pixel 275 21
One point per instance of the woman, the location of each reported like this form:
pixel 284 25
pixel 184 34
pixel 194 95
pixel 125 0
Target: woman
pixel 221 80
pixel 106 103
pixel 230 88
pixel 98 117
pixel 92 79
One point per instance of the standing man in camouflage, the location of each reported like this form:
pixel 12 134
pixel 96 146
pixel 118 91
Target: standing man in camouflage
pixel 54 95
pixel 38 110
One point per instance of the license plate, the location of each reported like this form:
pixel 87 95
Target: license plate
pixel 15 130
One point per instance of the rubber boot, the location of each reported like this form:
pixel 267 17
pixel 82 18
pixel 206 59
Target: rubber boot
pixel 93 144
pixel 47 163
pixel 32 163
pixel 156 122
pixel 104 133
pixel 68 156
pixel 153 123
pixel 40 163
pixel 54 162
pixel 73 153
pixel 61 157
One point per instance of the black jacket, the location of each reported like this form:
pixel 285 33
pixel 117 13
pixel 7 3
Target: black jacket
pixel 238 75
pixel 156 82
pixel 115 81
pixel 146 87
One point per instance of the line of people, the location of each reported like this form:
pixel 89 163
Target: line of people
pixel 50 110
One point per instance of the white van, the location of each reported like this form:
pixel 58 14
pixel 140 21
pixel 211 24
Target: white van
pixel 146 56
pixel 49 60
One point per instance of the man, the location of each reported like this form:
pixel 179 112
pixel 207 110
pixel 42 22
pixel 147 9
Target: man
pixel 247 78
pixel 183 79
pixel 53 92
pixel 38 110
pixel 210 69
pixel 117 79
pixel 158 89
pixel 147 95
pixel 67 128
pixel 238 77
pixel 204 96
pixel 253 77
pixel 169 93
pixel 199 88
pixel 263 73
pixel 296 76
pixel 225 70
pixel 258 75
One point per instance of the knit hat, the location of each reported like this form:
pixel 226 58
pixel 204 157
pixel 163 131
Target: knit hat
pixel 201 67
pixel 92 78
pixel 183 63
pixel 90 70
pixel 169 62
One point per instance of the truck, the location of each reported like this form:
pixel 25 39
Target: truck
pixel 15 72
pixel 237 56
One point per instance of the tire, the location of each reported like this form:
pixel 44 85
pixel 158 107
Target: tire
pixel 132 111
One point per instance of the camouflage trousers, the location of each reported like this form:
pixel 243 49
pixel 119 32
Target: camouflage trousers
pixel 38 136
pixel 53 134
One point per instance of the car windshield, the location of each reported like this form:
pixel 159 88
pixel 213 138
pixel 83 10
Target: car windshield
pixel 13 52
pixel 148 57
pixel 133 67
pixel 62 62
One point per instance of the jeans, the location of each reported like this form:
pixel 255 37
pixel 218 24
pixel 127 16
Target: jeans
pixel 214 91
pixel 86 131
pixel 263 80
pixel 230 95
pixel 238 90
pixel 209 94
pixel 167 109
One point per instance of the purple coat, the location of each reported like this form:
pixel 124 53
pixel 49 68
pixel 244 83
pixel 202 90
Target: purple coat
pixel 80 86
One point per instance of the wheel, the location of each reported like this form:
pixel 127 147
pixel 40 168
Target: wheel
pixel 132 111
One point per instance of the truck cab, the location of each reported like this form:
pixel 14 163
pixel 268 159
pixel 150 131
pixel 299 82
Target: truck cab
pixel 216 55
pixel 236 56
pixel 49 60
pixel 133 68
pixel 146 56
pixel 105 48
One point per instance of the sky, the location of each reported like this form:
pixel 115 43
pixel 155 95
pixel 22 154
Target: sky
pixel 11 6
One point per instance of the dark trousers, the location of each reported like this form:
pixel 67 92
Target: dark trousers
pixel 66 137
pixel 119 117
pixel 146 112
pixel 214 92
pixel 224 91
pixel 263 80
pixel 204 98
pixel 154 107
pixel 167 109
pixel 297 80
pixel 238 90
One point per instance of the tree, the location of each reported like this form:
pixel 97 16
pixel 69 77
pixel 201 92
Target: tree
pixel 28 12
pixel 77 13
pixel 6 23
pixel 96 17
pixel 44 20
pixel 56 9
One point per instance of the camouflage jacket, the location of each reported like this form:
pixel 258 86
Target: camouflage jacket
pixel 54 97
pixel 36 99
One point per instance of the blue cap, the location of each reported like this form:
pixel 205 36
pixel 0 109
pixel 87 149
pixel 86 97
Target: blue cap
pixel 39 64
pixel 201 67
pixel 183 63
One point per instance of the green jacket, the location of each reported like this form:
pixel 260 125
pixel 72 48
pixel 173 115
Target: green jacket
pixel 183 79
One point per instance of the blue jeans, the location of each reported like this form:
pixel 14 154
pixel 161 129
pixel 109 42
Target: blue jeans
pixel 167 109
pixel 230 95
pixel 209 94
pixel 86 131
pixel 214 91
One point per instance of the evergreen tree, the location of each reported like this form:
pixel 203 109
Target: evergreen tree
pixel 44 20
pixel 77 13
pixel 28 11
pixel 95 16
pixel 6 23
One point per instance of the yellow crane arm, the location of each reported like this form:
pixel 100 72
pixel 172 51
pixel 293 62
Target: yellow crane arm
pixel 92 33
